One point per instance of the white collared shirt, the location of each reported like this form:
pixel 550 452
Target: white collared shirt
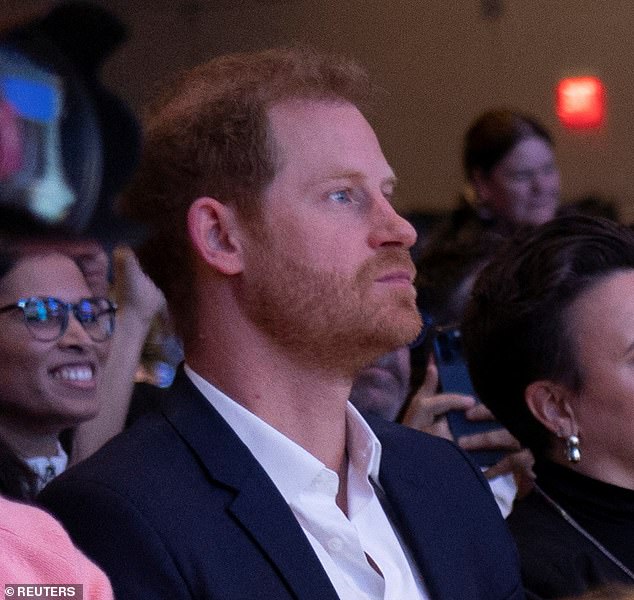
pixel 47 467
pixel 340 542
pixel 504 491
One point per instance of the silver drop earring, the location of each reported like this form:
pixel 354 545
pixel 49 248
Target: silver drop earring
pixel 573 452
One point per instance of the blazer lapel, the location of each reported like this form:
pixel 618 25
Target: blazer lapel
pixel 424 521
pixel 432 544
pixel 258 505
pixel 276 530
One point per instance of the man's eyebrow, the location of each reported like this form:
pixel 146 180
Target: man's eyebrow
pixel 351 174
pixel 343 174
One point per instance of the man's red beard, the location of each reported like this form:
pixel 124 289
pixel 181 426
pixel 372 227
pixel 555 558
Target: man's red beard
pixel 329 320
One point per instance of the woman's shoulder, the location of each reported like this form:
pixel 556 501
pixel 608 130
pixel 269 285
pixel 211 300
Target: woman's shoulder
pixel 556 559
pixel 35 549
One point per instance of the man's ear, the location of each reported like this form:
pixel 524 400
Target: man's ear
pixel 549 403
pixel 214 233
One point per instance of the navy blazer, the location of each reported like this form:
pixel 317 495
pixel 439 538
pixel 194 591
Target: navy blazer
pixel 177 507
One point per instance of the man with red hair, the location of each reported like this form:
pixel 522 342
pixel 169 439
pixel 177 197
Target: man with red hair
pixel 286 270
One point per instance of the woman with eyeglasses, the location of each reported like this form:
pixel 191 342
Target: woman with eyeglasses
pixel 54 341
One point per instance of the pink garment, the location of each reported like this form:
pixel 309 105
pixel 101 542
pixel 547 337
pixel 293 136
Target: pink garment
pixel 35 549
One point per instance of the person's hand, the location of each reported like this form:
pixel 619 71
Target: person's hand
pixel 518 461
pixel 139 301
pixel 94 263
pixel 134 290
pixel 495 439
pixel 427 410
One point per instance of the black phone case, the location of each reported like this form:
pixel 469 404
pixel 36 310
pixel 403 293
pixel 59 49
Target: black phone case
pixel 453 376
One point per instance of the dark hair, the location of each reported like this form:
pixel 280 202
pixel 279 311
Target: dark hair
pixel 17 480
pixel 445 269
pixel 8 260
pixel 208 135
pixel 516 328
pixel 494 134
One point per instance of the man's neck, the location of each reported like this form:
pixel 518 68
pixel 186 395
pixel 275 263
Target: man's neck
pixel 342 493
pixel 302 402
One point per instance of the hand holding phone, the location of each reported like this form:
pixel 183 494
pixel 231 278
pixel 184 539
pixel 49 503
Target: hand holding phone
pixel 427 409
pixel 453 376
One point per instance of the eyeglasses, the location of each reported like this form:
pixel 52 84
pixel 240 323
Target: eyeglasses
pixel 47 318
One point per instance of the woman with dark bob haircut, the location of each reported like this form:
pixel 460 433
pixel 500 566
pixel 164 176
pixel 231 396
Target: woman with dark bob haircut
pixel 509 163
pixel 549 336
pixel 511 180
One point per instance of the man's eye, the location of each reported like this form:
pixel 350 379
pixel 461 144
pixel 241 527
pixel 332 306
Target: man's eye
pixel 341 196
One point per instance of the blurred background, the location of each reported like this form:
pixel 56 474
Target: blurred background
pixel 441 62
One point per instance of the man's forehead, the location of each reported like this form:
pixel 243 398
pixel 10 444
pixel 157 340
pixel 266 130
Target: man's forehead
pixel 301 114
pixel 333 134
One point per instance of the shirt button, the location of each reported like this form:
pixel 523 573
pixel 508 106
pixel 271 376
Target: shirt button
pixel 335 544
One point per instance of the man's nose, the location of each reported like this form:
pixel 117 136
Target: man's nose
pixel 389 228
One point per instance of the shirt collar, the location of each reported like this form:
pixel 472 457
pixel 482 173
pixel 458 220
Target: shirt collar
pixel 291 468
pixel 364 448
pixel 48 467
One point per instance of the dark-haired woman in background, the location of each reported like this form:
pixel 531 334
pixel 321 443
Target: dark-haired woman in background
pixel 511 180
pixel 549 335
pixel 510 165
pixel 54 375
pixel 53 345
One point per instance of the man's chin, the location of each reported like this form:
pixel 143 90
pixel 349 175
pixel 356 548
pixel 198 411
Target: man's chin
pixel 394 331
pixel 405 325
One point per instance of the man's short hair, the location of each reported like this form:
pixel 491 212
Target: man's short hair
pixel 208 135
pixel 517 327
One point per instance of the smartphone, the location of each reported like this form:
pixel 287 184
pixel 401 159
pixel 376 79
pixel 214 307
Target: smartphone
pixel 453 376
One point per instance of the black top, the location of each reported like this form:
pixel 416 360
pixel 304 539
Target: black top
pixel 557 560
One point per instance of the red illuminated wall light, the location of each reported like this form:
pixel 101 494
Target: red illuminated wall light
pixel 581 102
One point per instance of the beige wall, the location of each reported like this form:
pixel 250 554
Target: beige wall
pixel 441 62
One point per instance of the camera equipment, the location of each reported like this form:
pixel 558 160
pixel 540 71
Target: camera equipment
pixel 67 144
